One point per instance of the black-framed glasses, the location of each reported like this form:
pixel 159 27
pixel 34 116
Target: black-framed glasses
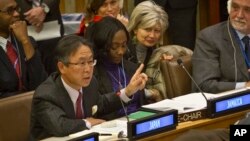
pixel 90 63
pixel 11 10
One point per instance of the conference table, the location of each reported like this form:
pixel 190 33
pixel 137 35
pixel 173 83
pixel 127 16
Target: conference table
pixel 203 124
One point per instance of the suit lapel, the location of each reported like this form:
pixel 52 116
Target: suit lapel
pixel 64 99
pixel 89 99
pixel 241 64
pixel 4 58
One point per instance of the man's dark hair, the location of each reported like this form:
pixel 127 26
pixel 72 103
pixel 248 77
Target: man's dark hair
pixel 69 45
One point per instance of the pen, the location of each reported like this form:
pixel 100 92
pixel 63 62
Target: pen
pixel 105 134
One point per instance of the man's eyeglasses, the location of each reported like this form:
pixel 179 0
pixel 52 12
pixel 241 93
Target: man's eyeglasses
pixel 11 10
pixel 91 63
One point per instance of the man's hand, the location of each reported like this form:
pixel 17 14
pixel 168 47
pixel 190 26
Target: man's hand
pixel 35 17
pixel 94 121
pixel 19 29
pixel 137 82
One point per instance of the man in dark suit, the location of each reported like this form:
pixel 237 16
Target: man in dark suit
pixel 220 61
pixel 182 20
pixel 25 71
pixel 68 101
pixel 37 13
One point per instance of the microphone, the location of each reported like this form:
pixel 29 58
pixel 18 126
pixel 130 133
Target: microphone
pixel 123 107
pixel 179 61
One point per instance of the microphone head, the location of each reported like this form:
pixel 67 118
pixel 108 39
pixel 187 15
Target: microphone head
pixel 179 61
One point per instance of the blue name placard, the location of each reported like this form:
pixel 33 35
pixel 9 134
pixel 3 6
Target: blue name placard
pixel 231 103
pixel 89 137
pixel 154 124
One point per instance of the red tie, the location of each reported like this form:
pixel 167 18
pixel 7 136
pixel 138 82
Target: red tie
pixel 13 57
pixel 79 111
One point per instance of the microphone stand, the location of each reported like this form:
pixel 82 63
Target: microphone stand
pixel 180 62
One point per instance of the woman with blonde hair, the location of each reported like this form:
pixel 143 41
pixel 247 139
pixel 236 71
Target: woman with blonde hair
pixel 147 25
pixel 148 15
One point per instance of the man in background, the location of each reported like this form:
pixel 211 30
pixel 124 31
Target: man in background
pixel 37 13
pixel 221 59
pixel 21 68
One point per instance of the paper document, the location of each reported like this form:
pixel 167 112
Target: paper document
pixel 50 30
pixel 184 103
pixel 116 127
pixel 187 103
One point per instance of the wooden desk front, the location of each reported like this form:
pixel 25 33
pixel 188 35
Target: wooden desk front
pixel 205 124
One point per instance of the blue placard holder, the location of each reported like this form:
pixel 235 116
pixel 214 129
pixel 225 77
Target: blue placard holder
pixel 228 104
pixel 154 124
pixel 88 137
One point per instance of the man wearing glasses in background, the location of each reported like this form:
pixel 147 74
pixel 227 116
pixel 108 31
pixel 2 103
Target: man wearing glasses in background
pixel 68 101
pixel 21 66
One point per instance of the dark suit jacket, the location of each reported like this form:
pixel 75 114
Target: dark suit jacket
pixel 53 112
pixel 105 84
pixel 213 61
pixel 32 72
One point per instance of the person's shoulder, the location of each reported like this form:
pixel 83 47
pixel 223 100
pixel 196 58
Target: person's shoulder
pixel 215 31
pixel 217 27
pixel 48 86
pixel 205 135
pixel 245 121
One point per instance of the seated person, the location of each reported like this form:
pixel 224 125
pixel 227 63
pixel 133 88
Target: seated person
pixel 96 9
pixel 20 63
pixel 69 101
pixel 147 26
pixel 205 135
pixel 110 38
pixel 221 59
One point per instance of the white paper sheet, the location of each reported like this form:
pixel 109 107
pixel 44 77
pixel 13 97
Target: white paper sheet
pixel 185 103
pixel 189 102
pixel 50 30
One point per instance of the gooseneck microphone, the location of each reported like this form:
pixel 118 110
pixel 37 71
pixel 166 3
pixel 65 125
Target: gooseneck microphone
pixel 180 62
pixel 123 106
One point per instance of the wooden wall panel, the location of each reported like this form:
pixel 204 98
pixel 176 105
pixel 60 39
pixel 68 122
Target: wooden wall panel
pixel 209 12
pixel 73 6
